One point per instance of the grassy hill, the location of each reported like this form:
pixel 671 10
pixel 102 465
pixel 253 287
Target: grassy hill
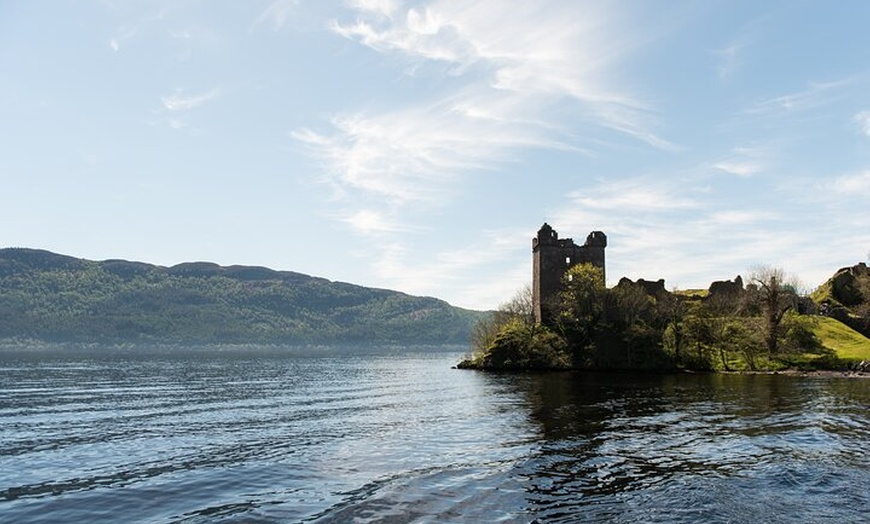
pixel 49 297
pixel 840 347
pixel 844 341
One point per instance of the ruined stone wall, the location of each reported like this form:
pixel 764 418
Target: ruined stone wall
pixel 727 287
pixel 652 288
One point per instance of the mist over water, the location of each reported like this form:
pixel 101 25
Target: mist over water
pixel 271 436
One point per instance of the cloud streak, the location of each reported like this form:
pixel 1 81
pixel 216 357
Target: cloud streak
pixel 276 14
pixel 863 120
pixel 180 102
pixel 371 222
pixel 408 156
pixel 399 266
pixel 687 233
pixel 515 67
pixel 743 162
pixel 816 95
pixel 854 185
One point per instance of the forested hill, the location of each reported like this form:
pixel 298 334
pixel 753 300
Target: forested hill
pixel 50 297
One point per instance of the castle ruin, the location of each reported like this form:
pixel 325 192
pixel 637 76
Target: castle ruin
pixel 551 257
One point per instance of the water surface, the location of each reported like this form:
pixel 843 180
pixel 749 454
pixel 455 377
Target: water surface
pixel 271 436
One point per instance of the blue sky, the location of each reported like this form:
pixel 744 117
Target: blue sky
pixel 418 146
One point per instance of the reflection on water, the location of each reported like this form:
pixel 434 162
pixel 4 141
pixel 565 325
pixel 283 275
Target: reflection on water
pixel 681 448
pixel 267 436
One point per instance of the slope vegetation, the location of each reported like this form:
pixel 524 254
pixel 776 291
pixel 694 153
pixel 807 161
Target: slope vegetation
pixel 57 298
pixel 845 342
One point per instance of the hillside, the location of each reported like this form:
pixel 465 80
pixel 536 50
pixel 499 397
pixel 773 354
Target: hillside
pixel 845 343
pixel 846 297
pixel 57 298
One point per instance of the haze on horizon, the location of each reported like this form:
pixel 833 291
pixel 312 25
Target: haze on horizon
pixel 419 145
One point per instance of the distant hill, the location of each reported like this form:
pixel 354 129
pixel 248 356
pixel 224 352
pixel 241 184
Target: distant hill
pixel 50 297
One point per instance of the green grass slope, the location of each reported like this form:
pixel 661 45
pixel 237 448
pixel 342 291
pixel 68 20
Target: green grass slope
pixel 845 342
pixel 841 348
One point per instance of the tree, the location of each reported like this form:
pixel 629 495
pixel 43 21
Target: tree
pixel 776 295
pixel 525 346
pixel 633 310
pixel 737 336
pixel 520 306
pixel 672 311
pixel 581 309
pixel 509 338
pixel 701 327
pixel 518 309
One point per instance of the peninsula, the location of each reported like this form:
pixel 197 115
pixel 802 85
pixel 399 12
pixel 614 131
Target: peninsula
pixel 569 319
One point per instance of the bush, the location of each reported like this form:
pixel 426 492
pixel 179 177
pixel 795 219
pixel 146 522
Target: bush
pixel 522 346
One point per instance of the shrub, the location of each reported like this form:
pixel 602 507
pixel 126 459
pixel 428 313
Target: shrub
pixel 522 346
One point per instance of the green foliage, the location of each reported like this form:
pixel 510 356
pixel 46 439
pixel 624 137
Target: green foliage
pixel 50 297
pixel 635 325
pixel 581 307
pixel 739 337
pixel 619 328
pixel 488 326
pixel 799 334
pixel 825 294
pixel 775 296
pixel 523 346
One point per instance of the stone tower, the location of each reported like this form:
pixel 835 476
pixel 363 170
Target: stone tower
pixel 551 257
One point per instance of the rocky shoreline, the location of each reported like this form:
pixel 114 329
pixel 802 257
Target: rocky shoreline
pixel 823 373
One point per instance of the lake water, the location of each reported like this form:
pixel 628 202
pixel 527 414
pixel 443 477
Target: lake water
pixel 270 436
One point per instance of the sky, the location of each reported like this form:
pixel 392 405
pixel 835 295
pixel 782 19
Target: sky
pixel 419 146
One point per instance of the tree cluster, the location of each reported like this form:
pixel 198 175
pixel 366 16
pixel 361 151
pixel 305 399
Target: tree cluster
pixel 640 325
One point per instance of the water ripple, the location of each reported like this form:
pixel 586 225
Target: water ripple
pixel 272 437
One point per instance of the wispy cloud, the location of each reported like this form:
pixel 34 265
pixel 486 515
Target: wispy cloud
pixel 401 268
pixel 816 94
pixel 741 217
pixel 408 155
pixel 733 55
pixel 739 168
pixel 384 8
pixel 854 185
pixel 123 34
pixel 863 121
pixel 181 102
pixel 372 222
pixel 140 17
pixel 524 74
pixel 636 194
pixel 276 14
pixel 540 49
pixel 743 162
pixel 730 58
pixel 690 235
pixel 653 224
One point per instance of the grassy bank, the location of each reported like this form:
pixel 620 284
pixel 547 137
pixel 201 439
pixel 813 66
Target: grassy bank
pixel 841 348
pixel 847 343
